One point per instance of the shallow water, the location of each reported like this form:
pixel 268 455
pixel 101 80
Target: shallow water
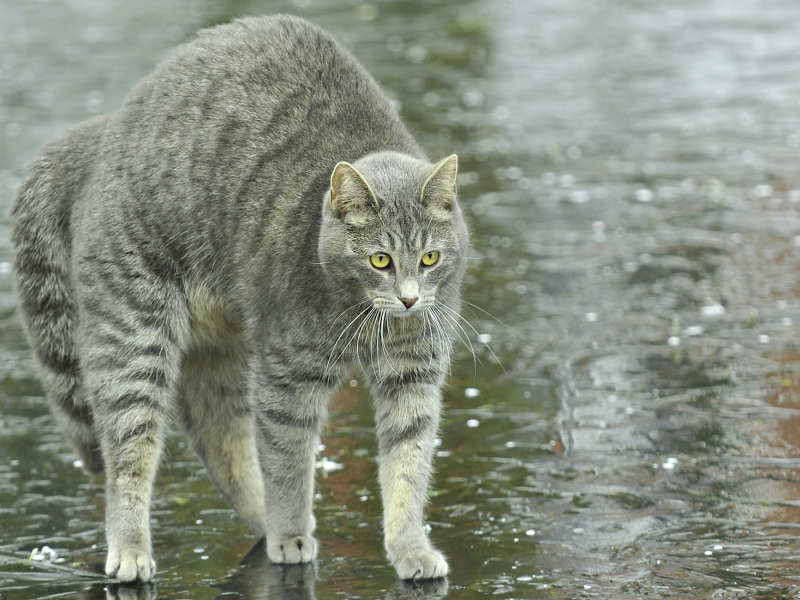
pixel 630 425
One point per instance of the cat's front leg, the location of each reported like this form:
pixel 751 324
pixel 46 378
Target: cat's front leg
pixel 289 422
pixel 129 373
pixel 407 419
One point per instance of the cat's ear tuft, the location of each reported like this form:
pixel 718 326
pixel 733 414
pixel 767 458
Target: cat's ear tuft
pixel 439 191
pixel 350 192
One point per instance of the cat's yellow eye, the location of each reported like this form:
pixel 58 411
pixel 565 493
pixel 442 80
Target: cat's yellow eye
pixel 430 258
pixel 380 260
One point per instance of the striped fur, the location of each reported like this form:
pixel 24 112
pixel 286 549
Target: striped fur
pixel 203 254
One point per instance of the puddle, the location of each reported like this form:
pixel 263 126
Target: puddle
pixel 630 173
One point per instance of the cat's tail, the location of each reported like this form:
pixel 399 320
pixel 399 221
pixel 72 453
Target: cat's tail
pixel 42 273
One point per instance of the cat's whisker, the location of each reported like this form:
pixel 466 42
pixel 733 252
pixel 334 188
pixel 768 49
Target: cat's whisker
pixel 471 306
pixel 426 325
pixel 385 322
pixel 345 311
pixel 476 307
pixel 441 339
pixel 373 335
pixel 488 347
pixel 331 359
pixel 356 336
pixel 463 336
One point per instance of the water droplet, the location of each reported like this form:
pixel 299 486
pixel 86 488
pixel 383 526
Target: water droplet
pixel 501 113
pixel 674 340
pixel 578 530
pixel 763 191
pixel 708 553
pixel 204 557
pixel 712 310
pixel 786 321
pixel 473 423
pixel 579 197
pixel 199 550
pixel 327 465
pixel 367 12
pixel 94 100
pixel 417 54
pixel 511 444
pixel 644 195
pixel 78 464
pixel 591 317
pixel 763 339
pixel 530 532
pixel 198 522
pixel 524 577
pixel 513 173
pixel 693 330
pixel 485 338
pixel 472 98
pixel 566 180
pixel 718 547
pixel 471 392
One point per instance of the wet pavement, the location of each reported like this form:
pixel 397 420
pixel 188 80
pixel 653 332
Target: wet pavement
pixel 624 417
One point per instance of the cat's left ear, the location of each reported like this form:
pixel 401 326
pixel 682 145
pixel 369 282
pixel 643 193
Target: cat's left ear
pixel 439 191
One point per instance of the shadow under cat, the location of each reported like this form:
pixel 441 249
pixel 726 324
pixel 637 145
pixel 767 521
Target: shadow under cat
pixel 259 579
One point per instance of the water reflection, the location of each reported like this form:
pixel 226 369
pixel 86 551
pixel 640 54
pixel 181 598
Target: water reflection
pixel 258 579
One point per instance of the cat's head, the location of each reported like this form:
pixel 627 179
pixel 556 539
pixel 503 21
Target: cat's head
pixel 392 231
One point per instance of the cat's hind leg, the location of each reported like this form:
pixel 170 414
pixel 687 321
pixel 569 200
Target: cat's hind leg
pixel 215 407
pixel 132 329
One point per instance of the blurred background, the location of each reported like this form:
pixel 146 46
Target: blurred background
pixel 622 419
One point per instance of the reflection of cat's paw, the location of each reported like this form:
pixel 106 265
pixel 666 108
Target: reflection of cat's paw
pixel 421 588
pixel 116 591
pixel 130 564
pixel 291 549
pixel 426 564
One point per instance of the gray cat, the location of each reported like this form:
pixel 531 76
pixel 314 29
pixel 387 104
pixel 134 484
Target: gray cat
pixel 252 224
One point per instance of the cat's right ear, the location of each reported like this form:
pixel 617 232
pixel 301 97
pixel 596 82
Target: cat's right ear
pixel 351 197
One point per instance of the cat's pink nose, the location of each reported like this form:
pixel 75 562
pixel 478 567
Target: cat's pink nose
pixel 409 302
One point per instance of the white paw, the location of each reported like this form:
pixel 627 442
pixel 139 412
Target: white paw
pixel 425 564
pixel 291 549
pixel 130 564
